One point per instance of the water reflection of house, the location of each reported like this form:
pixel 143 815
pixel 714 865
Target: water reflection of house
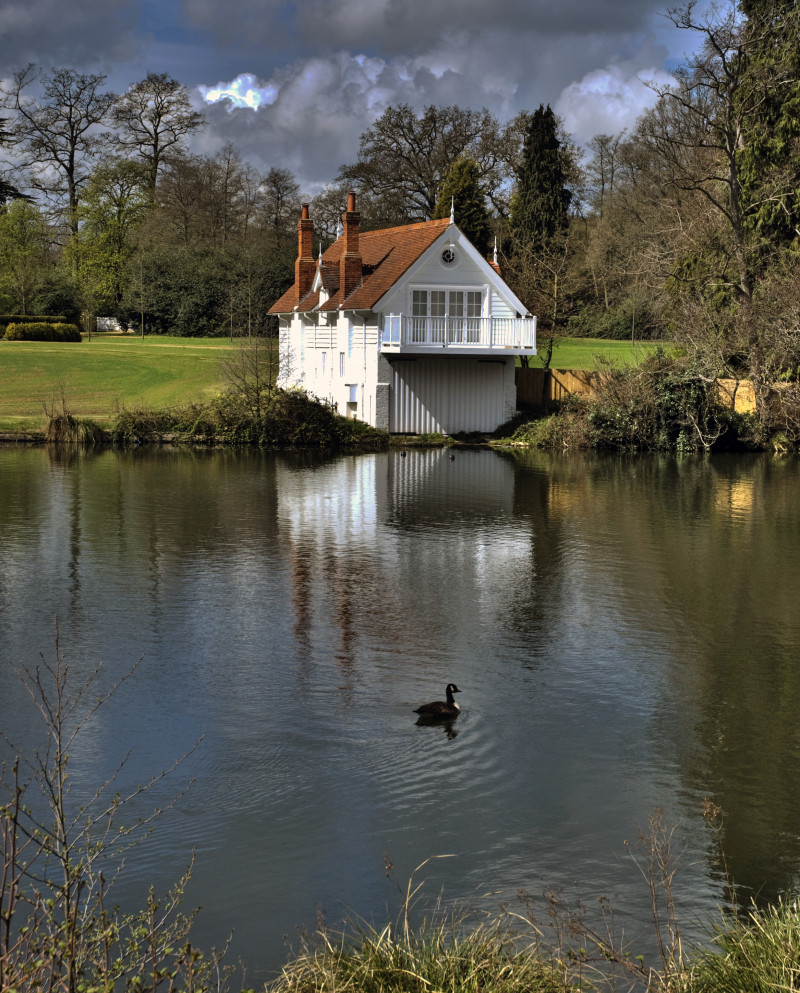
pixel 353 527
pixel 406 328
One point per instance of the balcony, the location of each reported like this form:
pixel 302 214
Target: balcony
pixel 460 335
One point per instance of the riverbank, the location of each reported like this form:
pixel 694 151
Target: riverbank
pixel 511 954
pixel 111 372
pixel 657 403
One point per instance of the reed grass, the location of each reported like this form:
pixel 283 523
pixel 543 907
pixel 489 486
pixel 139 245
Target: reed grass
pixel 760 954
pixel 449 950
pixel 62 427
pixel 443 954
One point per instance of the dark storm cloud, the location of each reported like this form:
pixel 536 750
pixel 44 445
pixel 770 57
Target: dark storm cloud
pixel 392 27
pixel 294 84
pixel 587 60
pixel 84 34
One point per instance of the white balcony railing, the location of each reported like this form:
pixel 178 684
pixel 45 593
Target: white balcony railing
pixel 399 331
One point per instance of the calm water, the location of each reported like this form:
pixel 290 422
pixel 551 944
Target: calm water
pixel 625 634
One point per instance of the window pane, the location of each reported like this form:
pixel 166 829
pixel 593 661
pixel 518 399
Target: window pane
pixel 420 303
pixel 473 303
pixel 456 303
pixel 437 303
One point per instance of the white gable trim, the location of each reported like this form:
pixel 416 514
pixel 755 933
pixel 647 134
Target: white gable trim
pixel 452 234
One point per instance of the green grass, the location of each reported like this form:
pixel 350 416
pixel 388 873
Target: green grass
pixel 441 955
pixel 98 376
pixel 592 353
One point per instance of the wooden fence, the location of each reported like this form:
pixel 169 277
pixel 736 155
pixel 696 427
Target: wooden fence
pixel 535 389
pixel 541 392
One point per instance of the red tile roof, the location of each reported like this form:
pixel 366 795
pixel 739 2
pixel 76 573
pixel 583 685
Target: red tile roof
pixel 385 256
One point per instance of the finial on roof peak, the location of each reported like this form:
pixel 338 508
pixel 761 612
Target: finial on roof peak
pixel 495 249
pixel 452 210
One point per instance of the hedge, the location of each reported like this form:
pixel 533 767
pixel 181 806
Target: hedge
pixel 42 331
pixel 6 319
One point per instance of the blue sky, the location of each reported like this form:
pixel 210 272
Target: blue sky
pixel 321 70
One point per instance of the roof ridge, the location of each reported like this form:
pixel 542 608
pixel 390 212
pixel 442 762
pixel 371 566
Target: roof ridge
pixel 414 226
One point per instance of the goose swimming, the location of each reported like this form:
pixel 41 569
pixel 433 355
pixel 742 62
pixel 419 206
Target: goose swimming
pixel 441 708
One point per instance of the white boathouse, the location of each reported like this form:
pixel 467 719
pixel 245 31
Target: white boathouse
pixel 407 328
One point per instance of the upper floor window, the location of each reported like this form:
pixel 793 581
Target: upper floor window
pixel 447 303
pixel 452 315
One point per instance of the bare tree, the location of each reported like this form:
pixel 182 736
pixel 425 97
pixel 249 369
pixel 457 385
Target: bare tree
pixel 250 372
pixel 59 135
pixel 403 158
pixel 602 169
pixel 701 122
pixel 211 200
pixel 60 858
pixel 698 131
pixel 154 118
pixel 280 197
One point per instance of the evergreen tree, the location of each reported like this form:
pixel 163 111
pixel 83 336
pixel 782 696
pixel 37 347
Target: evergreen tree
pixel 461 188
pixel 540 207
pixel 770 154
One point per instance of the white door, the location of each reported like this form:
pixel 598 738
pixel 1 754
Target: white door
pixel 435 396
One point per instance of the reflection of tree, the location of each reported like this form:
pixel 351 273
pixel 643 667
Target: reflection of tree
pixel 682 546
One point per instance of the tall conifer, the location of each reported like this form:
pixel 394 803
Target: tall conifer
pixel 540 206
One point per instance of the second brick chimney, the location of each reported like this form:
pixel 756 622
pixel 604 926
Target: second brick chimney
pixel 350 267
pixel 305 267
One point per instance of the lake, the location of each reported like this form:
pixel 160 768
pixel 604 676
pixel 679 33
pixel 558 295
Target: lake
pixel 625 633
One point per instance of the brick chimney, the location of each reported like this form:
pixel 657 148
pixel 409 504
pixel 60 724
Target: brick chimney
pixel 350 268
pixel 305 267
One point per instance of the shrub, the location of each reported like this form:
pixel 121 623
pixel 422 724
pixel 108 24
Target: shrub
pixel 635 317
pixel 660 405
pixel 291 418
pixel 60 929
pixel 42 331
pixel 6 319
pixel 567 429
pixel 288 419
pixel 132 427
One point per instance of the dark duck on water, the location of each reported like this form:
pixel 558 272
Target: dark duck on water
pixel 441 708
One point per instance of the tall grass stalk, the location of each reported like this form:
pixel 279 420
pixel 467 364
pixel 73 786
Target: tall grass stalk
pixel 446 951
pixel 63 428
pixel 758 955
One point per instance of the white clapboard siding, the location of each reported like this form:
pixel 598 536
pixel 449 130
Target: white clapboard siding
pixel 499 306
pixel 446 396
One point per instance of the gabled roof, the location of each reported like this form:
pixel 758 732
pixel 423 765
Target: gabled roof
pixel 385 255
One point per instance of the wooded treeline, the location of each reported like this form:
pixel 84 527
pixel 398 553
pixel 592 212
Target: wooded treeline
pixel 686 228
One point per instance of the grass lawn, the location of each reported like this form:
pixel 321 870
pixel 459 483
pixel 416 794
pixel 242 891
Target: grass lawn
pixel 111 371
pixel 591 353
pixel 108 372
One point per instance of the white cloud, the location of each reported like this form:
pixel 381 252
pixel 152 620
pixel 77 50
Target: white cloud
pixel 606 101
pixel 243 91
